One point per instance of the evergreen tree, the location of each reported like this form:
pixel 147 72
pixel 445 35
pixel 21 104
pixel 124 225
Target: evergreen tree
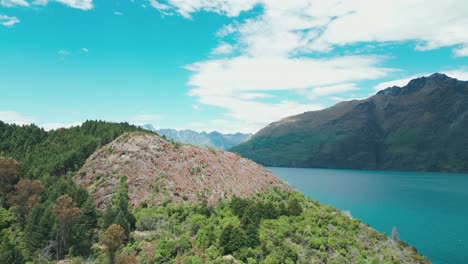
pixel 294 207
pixel 119 210
pixel 231 239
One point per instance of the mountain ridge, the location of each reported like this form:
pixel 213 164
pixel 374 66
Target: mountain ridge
pixel 418 127
pixel 204 139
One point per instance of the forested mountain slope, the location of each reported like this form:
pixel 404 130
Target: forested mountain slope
pixel 422 127
pixel 45 217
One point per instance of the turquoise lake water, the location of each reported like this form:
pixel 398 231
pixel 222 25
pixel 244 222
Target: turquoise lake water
pixel 430 210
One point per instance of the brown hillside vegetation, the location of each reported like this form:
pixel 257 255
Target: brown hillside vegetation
pixel 159 171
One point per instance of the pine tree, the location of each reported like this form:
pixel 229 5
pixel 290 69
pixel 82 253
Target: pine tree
pixel 119 210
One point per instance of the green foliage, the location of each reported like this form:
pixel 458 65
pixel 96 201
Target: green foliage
pixel 277 227
pixel 119 211
pixel 59 151
pixel 231 239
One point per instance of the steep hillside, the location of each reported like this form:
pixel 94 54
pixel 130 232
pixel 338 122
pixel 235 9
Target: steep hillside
pixel 213 139
pixel 422 126
pixel 158 171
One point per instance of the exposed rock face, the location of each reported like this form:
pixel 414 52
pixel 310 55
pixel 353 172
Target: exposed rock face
pixel 158 171
pixel 421 127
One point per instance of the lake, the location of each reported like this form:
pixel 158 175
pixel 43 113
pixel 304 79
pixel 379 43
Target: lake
pixel 430 210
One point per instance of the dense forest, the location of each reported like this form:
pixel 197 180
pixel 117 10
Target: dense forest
pixel 45 217
pixel 43 214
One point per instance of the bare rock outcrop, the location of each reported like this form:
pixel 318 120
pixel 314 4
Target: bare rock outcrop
pixel 159 171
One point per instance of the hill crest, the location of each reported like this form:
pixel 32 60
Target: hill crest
pixel 159 171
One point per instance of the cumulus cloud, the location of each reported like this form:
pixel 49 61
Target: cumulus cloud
pixel 12 3
pixel 286 47
pixel 230 8
pixel 460 74
pixel 223 49
pixel 13 117
pixel 78 4
pixel 329 90
pixel 8 21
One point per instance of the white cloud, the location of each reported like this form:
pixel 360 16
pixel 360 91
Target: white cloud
pixel 78 4
pixel 329 90
pixel 323 24
pixel 13 117
pixel 223 49
pixel 461 52
pixel 8 21
pixel 398 82
pixel 245 74
pixel 226 30
pixel 117 13
pixel 185 8
pixel 460 74
pixel 85 50
pixel 254 114
pixel 55 126
pixel 146 118
pixel 285 47
pixel 196 107
pixel 12 3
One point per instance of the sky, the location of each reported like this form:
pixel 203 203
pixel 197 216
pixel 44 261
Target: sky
pixel 225 65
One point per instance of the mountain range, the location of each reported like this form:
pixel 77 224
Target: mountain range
pixel 214 139
pixel 422 126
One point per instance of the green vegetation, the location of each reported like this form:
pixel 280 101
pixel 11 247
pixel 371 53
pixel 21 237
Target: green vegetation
pixel 45 217
pixel 59 151
pixel 278 227
pixel 420 127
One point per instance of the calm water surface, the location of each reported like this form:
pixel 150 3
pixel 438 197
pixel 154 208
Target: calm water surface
pixel 430 210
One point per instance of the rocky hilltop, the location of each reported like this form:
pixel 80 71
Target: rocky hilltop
pixel 159 171
pixel 420 127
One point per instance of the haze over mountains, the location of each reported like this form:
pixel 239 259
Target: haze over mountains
pixel 213 139
pixel 422 127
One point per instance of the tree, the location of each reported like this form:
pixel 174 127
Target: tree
pixel 119 210
pixel 84 229
pixel 25 196
pixel 294 207
pixel 126 258
pixel 112 239
pixel 231 239
pixel 395 234
pixel 9 174
pixel 67 213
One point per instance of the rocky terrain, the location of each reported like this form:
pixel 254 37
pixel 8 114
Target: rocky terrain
pixel 420 127
pixel 159 171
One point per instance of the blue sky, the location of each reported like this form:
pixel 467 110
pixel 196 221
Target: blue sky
pixel 229 65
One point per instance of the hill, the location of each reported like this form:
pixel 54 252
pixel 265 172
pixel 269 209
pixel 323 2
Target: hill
pixel 419 127
pixel 213 139
pixel 159 171
pixel 175 205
